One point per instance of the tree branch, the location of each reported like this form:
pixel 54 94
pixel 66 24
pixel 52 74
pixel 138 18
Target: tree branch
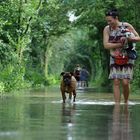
pixel 29 21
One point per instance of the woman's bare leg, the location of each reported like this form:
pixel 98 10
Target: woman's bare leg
pixel 125 85
pixel 116 89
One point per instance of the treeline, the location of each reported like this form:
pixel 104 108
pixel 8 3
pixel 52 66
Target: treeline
pixel 41 38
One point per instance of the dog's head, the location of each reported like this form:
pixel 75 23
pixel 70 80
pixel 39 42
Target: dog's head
pixel 126 32
pixel 124 29
pixel 67 78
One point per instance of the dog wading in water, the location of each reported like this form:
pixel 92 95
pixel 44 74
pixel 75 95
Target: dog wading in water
pixel 68 85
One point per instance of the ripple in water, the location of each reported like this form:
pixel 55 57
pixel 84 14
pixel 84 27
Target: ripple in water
pixel 96 102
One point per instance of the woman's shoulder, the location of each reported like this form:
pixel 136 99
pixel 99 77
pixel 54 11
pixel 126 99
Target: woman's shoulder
pixel 126 24
pixel 107 28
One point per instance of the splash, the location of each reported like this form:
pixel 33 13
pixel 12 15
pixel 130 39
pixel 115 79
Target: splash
pixel 97 102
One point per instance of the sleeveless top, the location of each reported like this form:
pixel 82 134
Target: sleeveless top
pixel 114 37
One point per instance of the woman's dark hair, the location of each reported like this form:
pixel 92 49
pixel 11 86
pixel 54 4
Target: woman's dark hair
pixel 113 12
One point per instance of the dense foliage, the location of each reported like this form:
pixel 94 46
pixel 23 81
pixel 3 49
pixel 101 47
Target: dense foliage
pixel 39 39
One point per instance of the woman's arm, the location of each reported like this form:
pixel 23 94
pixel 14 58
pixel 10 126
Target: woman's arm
pixel 131 28
pixel 106 42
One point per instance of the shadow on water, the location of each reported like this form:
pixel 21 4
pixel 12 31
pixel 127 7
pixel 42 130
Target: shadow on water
pixel 41 115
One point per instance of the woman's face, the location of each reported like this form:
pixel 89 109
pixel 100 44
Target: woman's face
pixel 111 20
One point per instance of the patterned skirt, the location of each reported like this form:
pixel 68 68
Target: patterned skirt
pixel 121 71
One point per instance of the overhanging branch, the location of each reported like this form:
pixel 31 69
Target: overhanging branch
pixel 29 21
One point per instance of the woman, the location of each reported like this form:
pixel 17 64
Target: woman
pixel 115 41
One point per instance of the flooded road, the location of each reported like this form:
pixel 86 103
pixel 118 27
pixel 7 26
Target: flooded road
pixel 41 115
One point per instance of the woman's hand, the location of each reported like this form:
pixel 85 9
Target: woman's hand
pixel 133 39
pixel 123 40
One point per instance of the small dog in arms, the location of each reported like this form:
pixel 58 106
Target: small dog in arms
pixel 129 46
pixel 68 85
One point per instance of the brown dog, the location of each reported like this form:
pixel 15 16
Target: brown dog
pixel 68 85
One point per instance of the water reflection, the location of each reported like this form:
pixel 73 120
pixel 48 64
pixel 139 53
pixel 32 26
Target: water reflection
pixel 42 116
pixel 121 129
pixel 68 111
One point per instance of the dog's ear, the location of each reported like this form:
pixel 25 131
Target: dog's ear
pixel 71 73
pixel 62 73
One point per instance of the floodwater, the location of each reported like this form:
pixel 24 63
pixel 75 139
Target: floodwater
pixel 41 115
